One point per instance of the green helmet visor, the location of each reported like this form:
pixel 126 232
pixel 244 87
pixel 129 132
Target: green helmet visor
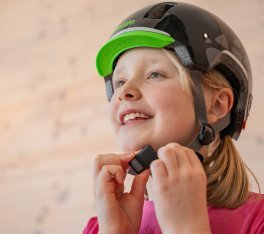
pixel 127 40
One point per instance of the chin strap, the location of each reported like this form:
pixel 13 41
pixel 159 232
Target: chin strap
pixel 207 131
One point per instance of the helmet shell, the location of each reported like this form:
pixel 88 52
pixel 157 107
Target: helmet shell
pixel 202 42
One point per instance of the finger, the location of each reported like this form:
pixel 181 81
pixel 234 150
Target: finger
pixel 107 159
pixel 193 158
pixel 108 178
pixel 158 171
pixel 196 165
pixel 110 173
pixel 139 184
pixel 101 160
pixel 125 159
pixel 113 172
pixel 168 155
pixel 181 155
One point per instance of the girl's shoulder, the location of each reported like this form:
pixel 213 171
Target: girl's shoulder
pixel 255 202
pixel 255 198
pixel 247 218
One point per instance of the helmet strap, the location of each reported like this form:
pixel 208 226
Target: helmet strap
pixel 109 87
pixel 207 131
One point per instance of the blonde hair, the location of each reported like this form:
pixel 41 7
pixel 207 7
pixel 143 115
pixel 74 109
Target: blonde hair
pixel 227 178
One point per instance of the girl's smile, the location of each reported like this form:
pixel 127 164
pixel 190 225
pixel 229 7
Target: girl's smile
pixel 131 116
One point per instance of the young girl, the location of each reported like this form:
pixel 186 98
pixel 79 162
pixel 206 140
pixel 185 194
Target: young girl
pixel 178 79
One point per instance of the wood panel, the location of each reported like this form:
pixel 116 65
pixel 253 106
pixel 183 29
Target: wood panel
pixel 53 108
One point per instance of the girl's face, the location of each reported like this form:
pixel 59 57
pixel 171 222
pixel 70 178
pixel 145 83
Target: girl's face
pixel 149 105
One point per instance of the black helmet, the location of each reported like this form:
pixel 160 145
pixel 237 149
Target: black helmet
pixel 202 42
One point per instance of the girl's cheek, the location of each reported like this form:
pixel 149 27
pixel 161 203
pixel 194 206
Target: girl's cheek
pixel 112 110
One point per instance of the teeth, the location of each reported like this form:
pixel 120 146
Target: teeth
pixel 132 116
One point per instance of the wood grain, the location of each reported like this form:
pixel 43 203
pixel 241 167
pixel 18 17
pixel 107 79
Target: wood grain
pixel 53 106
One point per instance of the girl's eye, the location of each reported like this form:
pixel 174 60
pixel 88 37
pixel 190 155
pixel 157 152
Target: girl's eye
pixel 118 83
pixel 155 75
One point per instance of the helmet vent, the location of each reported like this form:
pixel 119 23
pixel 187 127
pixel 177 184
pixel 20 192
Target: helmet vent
pixel 159 10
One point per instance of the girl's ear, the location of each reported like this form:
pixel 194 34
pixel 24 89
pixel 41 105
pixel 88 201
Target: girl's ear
pixel 218 103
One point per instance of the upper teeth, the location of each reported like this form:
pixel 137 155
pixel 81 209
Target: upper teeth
pixel 133 116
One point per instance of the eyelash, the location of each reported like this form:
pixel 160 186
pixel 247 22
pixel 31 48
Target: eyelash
pixel 120 82
pixel 155 72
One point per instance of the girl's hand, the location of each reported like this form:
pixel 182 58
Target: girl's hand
pixel 179 191
pixel 118 212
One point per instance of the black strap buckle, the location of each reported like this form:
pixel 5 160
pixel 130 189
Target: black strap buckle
pixel 206 134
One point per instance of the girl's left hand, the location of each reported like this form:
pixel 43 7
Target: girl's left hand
pixel 179 191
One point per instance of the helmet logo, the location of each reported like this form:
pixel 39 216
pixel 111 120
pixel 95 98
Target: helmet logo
pixel 124 25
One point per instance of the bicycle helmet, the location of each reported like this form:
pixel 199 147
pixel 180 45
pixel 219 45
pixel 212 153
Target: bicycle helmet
pixel 202 42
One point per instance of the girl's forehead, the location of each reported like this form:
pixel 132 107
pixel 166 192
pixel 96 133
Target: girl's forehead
pixel 142 57
pixel 144 52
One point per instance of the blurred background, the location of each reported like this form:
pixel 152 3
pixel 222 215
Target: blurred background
pixel 53 106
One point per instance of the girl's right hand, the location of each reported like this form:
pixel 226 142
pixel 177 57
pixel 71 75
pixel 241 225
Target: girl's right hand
pixel 118 212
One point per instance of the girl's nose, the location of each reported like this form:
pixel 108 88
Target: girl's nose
pixel 129 92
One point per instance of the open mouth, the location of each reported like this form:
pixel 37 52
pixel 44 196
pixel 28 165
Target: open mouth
pixel 130 117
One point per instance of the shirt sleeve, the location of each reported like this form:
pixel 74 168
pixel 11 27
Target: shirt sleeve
pixel 254 222
pixel 91 227
pixel 258 226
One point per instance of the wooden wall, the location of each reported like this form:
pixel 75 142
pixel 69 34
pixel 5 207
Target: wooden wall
pixel 53 106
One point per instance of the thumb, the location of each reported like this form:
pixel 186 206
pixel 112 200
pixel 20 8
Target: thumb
pixel 125 159
pixel 139 184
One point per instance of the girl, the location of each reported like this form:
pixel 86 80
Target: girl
pixel 178 79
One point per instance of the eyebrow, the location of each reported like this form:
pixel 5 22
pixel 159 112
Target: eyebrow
pixel 152 60
pixel 155 60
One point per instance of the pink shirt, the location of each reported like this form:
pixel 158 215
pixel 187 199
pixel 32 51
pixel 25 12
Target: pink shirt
pixel 246 219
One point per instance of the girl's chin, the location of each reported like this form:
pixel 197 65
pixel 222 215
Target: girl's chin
pixel 135 146
pixel 132 147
